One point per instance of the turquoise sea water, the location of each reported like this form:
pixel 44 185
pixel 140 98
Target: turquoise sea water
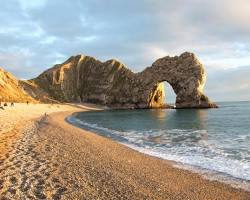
pixel 216 140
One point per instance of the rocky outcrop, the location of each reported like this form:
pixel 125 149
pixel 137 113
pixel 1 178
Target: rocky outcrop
pixel 184 73
pixel 11 90
pixel 85 79
pixel 36 92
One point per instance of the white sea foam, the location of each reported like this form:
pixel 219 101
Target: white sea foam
pixel 203 157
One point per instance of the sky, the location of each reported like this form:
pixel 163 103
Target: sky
pixel 35 35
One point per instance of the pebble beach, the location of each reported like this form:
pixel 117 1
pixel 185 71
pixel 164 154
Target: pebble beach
pixel 44 157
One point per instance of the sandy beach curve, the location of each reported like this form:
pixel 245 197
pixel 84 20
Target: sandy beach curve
pixel 44 157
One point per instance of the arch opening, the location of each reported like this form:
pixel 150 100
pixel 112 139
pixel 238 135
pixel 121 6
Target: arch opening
pixel 170 96
pixel 162 96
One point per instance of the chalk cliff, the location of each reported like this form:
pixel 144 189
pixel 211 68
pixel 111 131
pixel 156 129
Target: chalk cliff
pixel 11 90
pixel 85 79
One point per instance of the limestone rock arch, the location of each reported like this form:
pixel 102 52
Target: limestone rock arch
pixel 86 79
pixel 185 74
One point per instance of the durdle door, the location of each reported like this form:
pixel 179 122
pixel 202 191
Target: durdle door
pixel 86 79
pixel 185 74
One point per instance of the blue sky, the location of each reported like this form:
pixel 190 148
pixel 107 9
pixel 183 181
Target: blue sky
pixel 34 35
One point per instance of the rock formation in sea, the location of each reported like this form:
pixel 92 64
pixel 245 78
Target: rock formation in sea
pixel 11 90
pixel 86 79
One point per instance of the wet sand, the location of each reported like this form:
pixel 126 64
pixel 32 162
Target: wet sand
pixel 47 158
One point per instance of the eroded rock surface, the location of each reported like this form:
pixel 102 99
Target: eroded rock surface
pixel 11 90
pixel 85 79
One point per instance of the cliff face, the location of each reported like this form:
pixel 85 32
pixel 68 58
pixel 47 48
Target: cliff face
pixel 11 90
pixel 85 79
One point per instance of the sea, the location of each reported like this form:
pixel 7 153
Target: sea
pixel 212 142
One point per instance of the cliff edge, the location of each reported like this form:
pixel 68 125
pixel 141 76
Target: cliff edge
pixel 11 89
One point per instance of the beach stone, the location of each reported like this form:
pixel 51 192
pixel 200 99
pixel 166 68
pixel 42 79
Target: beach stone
pixel 85 79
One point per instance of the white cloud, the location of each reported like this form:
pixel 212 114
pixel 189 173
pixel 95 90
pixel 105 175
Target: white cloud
pixel 48 40
pixel 135 32
pixel 27 4
pixel 87 38
pixel 230 84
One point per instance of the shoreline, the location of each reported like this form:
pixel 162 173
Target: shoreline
pixel 168 164
pixel 71 163
pixel 210 175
